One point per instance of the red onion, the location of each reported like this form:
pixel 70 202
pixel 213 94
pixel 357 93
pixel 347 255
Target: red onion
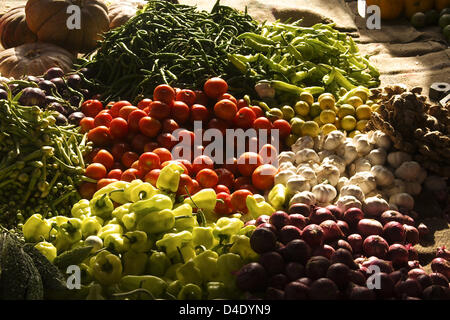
pixel 375 246
pixel 340 274
pixel 278 281
pixel 3 94
pixel 300 208
pixel 409 220
pixel 289 233
pixel 439 279
pixel 361 293
pixel 385 266
pixel 441 265
pixel 298 220
pixel 296 291
pixel 424 280
pixel 423 230
pixel 76 117
pixel 323 289
pixel 443 252
pixel 355 240
pixel 32 97
pixel 317 267
pixel 54 72
pixel 305 280
pixel 279 219
pixel 342 244
pixel 392 215
pixel 324 251
pixel 250 223
pixel 344 256
pixel 435 292
pixel 344 227
pixel 352 216
pixel 412 234
pixel 331 230
pixel 313 235
pixel 262 219
pixel 394 232
pixel 398 275
pixel 412 252
pixel 413 264
pixel 409 287
pixel 294 271
pixel 387 285
pixel 320 215
pixel 336 211
pixel 416 273
pixel 368 227
pixel 398 254
pixel 357 277
pixel 269 226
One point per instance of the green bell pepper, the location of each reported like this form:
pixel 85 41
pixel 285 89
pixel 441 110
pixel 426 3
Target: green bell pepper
pixel 157 221
pixel 156 203
pixel 206 262
pixel 116 242
pixel 205 199
pixel 81 209
pixel 139 241
pixel 188 222
pixel 91 226
pixel 101 206
pixel 142 191
pixel 257 209
pixel 106 268
pixel 227 227
pixel 110 228
pixel 169 177
pixel 36 228
pixel 157 264
pixel 134 263
pixel 277 196
pixel 172 241
pixel 68 234
pixel 120 211
pixel 203 236
pixel 189 273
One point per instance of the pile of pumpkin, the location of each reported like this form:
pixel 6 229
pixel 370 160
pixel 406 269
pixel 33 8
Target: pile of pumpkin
pixel 391 10
pixel 43 34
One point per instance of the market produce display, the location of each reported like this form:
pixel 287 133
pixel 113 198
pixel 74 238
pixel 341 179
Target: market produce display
pixel 193 155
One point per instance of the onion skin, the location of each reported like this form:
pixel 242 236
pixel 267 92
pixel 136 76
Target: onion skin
pixel 412 234
pixel 423 230
pixel 324 251
pixel 317 267
pixel 344 256
pixel 300 208
pixel 398 255
pixel 361 293
pixel 297 220
pixel 412 252
pixel 320 215
pixel 323 289
pixel 342 244
pixel 443 253
pixel 356 241
pixel 250 223
pixel 392 215
pixel 32 97
pixel 262 219
pixel 340 274
pixel 352 216
pixel 313 235
pixel 409 288
pixel 344 227
pixel 375 246
pixel 439 279
pixel 394 232
pixel 336 211
pixel 385 266
pixel 331 230
pixel 357 277
pixel 289 233
pixel 279 219
pixel 435 292
pixel 367 227
pixel 416 273
pixel 440 265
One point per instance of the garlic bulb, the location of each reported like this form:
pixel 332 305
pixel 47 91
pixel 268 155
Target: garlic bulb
pixel 374 206
pixel 402 201
pixel 336 161
pixel 305 142
pixel 333 140
pixel 365 180
pixel 413 188
pixel 377 156
pixel 286 156
pixel 398 186
pixel 395 159
pixel 297 184
pixel 341 183
pixel 362 144
pixel 324 193
pixel 383 176
pixel 352 190
pixel 347 202
pixel 306 155
pixel 287 166
pixel 283 177
pixel 309 174
pixel 380 139
pixel 347 151
pixel 435 183
pixel 408 171
pixel 328 172
pixel 305 197
pixel 359 165
pixel 324 154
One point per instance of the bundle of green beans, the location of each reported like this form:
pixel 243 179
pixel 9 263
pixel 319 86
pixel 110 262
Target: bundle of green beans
pixel 167 43
pixel 291 57
pixel 41 164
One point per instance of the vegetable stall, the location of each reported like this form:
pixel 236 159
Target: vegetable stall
pixel 168 151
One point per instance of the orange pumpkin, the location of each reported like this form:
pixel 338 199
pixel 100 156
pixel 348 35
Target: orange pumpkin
pixel 120 13
pixel 442 4
pixel 14 30
pixel 390 9
pixel 414 6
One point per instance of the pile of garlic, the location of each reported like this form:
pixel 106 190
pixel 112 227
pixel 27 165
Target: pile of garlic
pixel 350 172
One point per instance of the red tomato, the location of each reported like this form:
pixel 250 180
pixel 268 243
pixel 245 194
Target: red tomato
pixel 128 158
pixel 166 140
pixel 118 128
pixel 164 93
pixel 100 136
pixel 90 156
pixel 226 177
pixel 231 165
pixel 229 97
pixel 284 128
pixel 87 190
pixel 125 111
pixel 207 178
pixel 215 87
pixel 134 118
pixel 263 177
pixel 201 98
pixel 103 119
pixel 169 125
pixel 104 182
pixel 223 207
pixel 199 113
pixel 249 187
pixel 159 110
pixel 185 181
pixel 149 126
pixel 115 109
pixel 219 124
pixel 248 162
pixel 200 163
pixel 196 187
pixel 225 109
pixel 95 171
pixel 163 154
pixel 262 123
pixel 144 103
pixel 119 149
pixel 187 96
pixel 130 175
pixel 221 188
pixel 242 104
pixel 244 118
pixel 152 176
pixel 86 124
pixel 258 111
pixel 135 165
pixel 185 137
pixel 268 153
pixel 149 147
pixel 180 112
pixel 115 174
pixel 241 181
pixel 91 108
pixel 149 161
pixel 238 199
pixel 139 142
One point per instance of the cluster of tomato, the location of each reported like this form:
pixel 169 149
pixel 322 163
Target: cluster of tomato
pixel 135 142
